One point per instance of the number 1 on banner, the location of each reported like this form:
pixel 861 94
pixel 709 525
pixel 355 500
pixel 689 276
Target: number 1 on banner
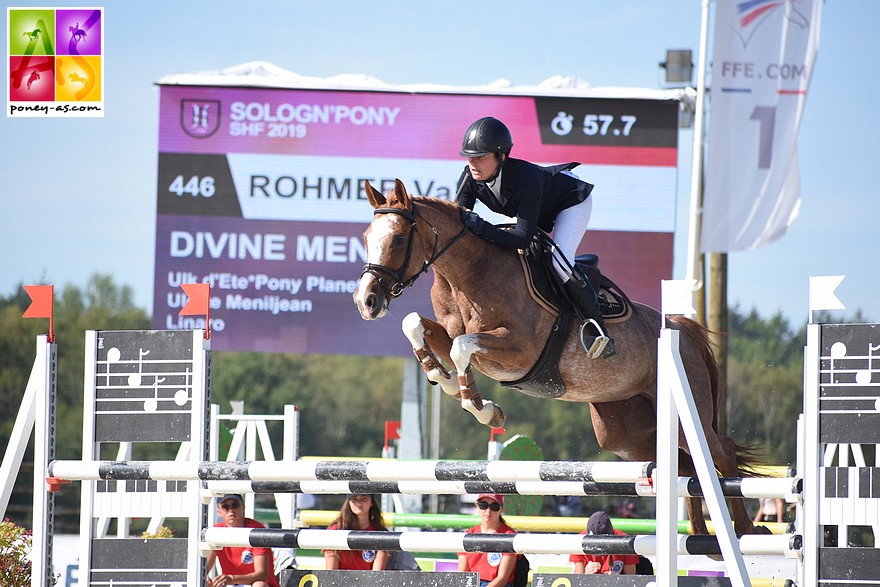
pixel 766 116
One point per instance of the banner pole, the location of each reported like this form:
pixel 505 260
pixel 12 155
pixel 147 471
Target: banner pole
pixel 697 156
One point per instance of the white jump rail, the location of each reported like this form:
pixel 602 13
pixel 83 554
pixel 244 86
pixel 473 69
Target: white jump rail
pixel 501 471
pixel 787 488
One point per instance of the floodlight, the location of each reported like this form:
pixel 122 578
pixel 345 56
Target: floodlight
pixel 679 66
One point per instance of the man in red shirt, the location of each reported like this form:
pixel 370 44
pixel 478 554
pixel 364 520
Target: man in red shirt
pixel 608 564
pixel 241 565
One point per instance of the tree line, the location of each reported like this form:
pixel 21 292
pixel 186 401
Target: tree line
pixel 344 400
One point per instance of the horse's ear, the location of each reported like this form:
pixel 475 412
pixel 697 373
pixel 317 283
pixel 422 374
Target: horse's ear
pixel 375 198
pixel 402 196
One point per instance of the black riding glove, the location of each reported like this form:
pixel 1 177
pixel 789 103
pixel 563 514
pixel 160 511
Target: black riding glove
pixel 474 223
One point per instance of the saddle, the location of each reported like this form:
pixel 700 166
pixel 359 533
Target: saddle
pixel 543 379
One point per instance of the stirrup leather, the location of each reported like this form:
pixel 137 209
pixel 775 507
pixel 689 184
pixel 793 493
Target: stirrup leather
pixel 597 343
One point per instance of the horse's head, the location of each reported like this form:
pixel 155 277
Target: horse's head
pixel 389 243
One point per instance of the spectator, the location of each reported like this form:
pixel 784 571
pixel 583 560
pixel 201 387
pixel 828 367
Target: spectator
pixel 496 569
pixel 608 564
pixel 567 505
pixel 359 512
pixel 770 510
pixel 627 509
pixel 240 565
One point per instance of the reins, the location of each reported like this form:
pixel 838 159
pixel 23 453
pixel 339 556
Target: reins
pixel 399 284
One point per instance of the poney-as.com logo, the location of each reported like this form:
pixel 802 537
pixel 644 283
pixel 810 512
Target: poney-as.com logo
pixel 56 62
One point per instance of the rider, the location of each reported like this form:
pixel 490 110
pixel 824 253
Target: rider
pixel 539 197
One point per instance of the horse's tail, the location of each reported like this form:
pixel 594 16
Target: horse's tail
pixel 699 337
pixel 749 455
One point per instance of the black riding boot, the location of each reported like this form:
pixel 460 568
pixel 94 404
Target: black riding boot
pixel 596 342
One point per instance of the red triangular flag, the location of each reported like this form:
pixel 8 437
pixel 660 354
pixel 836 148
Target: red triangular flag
pixel 392 429
pixel 199 294
pixel 42 303
pixel 495 431
pixel 42 299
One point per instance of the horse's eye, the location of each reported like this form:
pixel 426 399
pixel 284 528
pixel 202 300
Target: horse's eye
pixel 399 240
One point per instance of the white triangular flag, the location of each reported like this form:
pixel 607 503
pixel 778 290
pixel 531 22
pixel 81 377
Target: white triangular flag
pixel 822 293
pixel 677 296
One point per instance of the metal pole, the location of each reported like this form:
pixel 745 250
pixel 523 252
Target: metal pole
pixel 697 157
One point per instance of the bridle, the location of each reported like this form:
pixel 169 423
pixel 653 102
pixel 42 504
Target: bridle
pixel 398 283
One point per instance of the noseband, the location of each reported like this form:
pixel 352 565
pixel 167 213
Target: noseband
pixel 398 283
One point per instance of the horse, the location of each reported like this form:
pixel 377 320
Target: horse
pixel 34 76
pixel 76 33
pixel 75 77
pixel 486 318
pixel 32 36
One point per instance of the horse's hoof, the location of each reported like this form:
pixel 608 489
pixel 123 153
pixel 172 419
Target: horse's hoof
pixel 498 418
pixel 756 529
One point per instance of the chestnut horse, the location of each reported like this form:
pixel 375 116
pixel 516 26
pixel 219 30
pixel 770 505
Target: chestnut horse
pixel 485 317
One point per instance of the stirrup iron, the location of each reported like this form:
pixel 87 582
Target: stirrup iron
pixel 597 346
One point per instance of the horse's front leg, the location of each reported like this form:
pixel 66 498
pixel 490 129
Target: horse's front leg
pixel 426 337
pixel 485 411
pixel 417 329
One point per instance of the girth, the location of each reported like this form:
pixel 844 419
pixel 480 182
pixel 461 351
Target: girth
pixel 543 379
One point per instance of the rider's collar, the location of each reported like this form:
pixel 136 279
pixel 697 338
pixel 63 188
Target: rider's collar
pixel 495 184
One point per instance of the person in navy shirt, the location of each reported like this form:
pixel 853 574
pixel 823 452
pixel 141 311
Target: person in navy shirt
pixel 603 564
pixel 550 198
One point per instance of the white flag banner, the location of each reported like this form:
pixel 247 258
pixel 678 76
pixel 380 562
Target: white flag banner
pixel 822 296
pixel 763 60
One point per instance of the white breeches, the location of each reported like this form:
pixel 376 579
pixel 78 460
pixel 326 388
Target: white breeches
pixel 568 231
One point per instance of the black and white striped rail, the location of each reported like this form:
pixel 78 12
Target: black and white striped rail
pixel 758 488
pixel 377 470
pixel 531 543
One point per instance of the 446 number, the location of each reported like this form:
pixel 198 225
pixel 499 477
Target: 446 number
pixel 194 186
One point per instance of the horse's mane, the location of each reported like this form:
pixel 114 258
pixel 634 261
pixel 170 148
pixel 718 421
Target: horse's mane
pixel 446 206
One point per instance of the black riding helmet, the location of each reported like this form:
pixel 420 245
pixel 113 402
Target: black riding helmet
pixel 486 135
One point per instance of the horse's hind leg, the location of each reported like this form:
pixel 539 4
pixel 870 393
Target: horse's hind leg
pixel 696 518
pixel 743 523
pixel 726 459
pixel 628 428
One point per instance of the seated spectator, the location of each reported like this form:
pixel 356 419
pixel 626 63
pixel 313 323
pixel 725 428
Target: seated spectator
pixel 240 565
pixel 607 564
pixel 496 569
pixel 770 510
pixel 627 509
pixel 359 512
pixel 567 505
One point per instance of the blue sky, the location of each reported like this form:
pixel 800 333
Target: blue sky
pixel 79 194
